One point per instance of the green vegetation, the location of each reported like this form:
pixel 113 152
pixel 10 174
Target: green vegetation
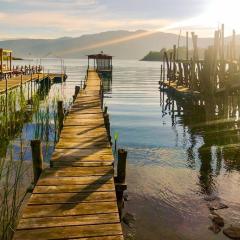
pixel 155 56
pixel 23 116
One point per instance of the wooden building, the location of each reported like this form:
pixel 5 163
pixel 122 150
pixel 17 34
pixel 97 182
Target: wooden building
pixel 102 63
pixel 5 62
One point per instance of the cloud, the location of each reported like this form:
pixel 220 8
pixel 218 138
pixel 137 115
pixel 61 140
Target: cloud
pixel 57 18
pixel 60 23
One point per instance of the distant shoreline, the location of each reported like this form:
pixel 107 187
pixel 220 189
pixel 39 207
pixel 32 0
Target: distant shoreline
pixel 17 59
pixel 153 57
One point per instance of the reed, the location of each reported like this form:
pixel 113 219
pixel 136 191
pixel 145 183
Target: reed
pixel 17 109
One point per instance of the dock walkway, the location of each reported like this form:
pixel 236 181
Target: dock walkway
pixel 75 198
pixel 16 81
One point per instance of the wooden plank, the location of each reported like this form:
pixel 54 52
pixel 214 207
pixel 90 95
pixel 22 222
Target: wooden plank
pixel 84 152
pixel 80 164
pixel 75 198
pixel 32 223
pixel 74 188
pixel 80 197
pixel 56 210
pixel 77 171
pixel 87 145
pixel 118 237
pixel 73 157
pixel 70 232
pixel 88 180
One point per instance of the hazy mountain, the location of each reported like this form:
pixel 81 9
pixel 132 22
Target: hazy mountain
pixel 120 44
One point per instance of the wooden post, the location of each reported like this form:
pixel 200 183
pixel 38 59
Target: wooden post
pixel 107 125
pixel 37 159
pixel 31 86
pixel 174 62
pixel 234 45
pixel 161 74
pixel 11 63
pixel 105 110
pixel 222 43
pixel 60 115
pixel 120 184
pixel 1 57
pixel 77 89
pixel 121 167
pixel 187 45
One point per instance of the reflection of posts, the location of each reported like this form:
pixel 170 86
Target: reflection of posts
pixel 206 171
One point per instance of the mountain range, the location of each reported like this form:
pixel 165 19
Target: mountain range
pixel 121 44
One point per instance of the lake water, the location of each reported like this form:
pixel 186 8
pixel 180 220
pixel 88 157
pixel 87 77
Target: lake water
pixel 175 161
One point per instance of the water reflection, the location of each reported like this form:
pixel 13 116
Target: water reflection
pixel 214 120
pixel 176 155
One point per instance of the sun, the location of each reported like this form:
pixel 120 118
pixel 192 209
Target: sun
pixel 215 13
pixel 221 11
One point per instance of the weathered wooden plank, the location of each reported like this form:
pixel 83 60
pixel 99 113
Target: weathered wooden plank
pixel 118 237
pixel 73 157
pixel 80 197
pixel 87 145
pixel 74 188
pixel 80 164
pixel 95 153
pixel 77 171
pixel 88 180
pixel 55 210
pixel 46 222
pixel 70 232
pixel 76 199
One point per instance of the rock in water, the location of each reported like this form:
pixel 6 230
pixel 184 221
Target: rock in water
pixel 218 220
pixel 129 219
pixel 217 206
pixel 215 228
pixel 232 232
pixel 211 198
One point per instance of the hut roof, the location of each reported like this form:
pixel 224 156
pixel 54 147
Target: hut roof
pixel 99 56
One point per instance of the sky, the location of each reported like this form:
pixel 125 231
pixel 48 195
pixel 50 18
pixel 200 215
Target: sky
pixel 59 18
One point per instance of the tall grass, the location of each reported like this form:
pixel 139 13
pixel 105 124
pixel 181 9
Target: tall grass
pixel 40 112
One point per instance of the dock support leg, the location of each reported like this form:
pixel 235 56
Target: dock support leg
pixel 107 125
pixel 120 180
pixel 60 115
pixel 37 159
pixel 77 90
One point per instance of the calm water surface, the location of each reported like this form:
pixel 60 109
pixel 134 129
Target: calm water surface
pixel 175 160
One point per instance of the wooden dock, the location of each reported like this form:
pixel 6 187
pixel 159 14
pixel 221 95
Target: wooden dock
pixel 17 81
pixel 75 198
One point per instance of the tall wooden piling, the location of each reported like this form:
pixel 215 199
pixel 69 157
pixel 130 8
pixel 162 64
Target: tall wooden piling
pixel 60 115
pixel 187 46
pixel 37 159
pixel 77 90
pixel 121 167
